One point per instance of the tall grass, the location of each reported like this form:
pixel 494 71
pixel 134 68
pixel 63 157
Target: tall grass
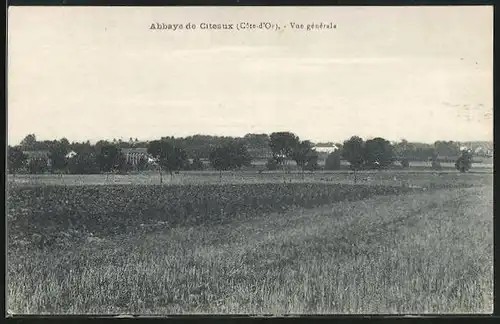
pixel 413 253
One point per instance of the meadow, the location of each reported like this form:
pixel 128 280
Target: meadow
pixel 411 242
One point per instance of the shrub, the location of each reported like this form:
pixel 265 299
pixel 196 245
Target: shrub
pixel 464 162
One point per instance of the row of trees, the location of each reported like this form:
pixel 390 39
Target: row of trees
pixel 257 145
pixel 380 153
pixel 196 145
pixel 170 154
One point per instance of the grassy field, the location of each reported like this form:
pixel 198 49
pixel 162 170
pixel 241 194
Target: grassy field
pixel 424 247
pixel 388 177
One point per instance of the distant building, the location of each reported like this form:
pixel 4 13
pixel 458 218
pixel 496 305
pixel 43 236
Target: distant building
pixel 152 160
pixel 134 155
pixel 483 151
pixel 326 149
pixel 71 155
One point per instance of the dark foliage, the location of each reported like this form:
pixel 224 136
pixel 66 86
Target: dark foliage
pixel 282 145
pixel 378 153
pixel 57 154
pixel 464 162
pixel 230 156
pixel 38 165
pixel 305 156
pixel 353 152
pixel 333 161
pixel 271 164
pixel 16 159
pixel 83 163
pixel 170 156
pixel 109 158
pixel 197 164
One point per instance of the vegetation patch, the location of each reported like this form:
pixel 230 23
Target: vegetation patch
pixel 50 215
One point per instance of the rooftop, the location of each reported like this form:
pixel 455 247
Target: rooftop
pixel 143 150
pixel 36 153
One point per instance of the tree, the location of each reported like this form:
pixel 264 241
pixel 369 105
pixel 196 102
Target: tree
pixel 57 155
pixel 257 141
pixel 65 143
pixel 282 145
pixel 230 156
pixel 38 165
pixel 304 155
pixel 109 158
pixel 170 157
pixel 353 152
pixel 220 159
pixel 29 142
pixel 142 164
pixel 435 164
pixel 312 162
pixel 197 164
pixel 81 148
pixel 16 159
pixel 271 164
pixel 258 144
pixel 83 163
pixel 333 161
pixel 403 151
pixel 240 156
pixel 378 152
pixel 447 148
pixel 464 162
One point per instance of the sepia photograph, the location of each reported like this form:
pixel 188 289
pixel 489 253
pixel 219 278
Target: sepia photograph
pixel 249 160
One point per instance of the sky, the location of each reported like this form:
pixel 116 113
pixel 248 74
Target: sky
pixel 91 73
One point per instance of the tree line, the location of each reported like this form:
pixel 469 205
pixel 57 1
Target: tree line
pixel 172 154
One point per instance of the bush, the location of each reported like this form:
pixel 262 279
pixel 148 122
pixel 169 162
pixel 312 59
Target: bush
pixel 405 164
pixel 332 161
pixel 464 163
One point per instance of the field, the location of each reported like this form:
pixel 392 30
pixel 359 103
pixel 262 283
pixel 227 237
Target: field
pixel 386 177
pixel 393 242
